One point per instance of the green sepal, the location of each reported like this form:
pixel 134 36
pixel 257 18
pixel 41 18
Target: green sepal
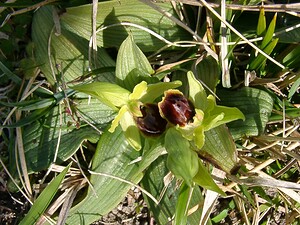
pixel 204 179
pixel 155 90
pixel 110 94
pixel 182 161
pixel 197 93
pixel 216 115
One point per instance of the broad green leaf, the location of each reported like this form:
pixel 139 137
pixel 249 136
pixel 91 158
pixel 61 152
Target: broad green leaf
pixel 113 156
pixel 156 183
pixel 132 65
pixel 219 149
pixel 44 199
pixel 269 34
pixel 62 57
pixel 261 25
pixel 182 205
pixel 197 93
pixel 110 94
pixel 41 137
pixel 182 161
pixel 208 71
pixel 112 13
pixel 204 179
pixel 255 104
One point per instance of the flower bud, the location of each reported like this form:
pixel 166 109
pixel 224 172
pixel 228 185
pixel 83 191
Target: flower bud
pixel 151 123
pixel 176 108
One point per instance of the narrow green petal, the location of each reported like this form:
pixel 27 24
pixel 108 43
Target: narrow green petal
pixel 197 93
pixel 117 119
pixel 138 91
pixel 131 131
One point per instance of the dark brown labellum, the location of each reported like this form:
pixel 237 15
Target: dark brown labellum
pixel 176 108
pixel 151 123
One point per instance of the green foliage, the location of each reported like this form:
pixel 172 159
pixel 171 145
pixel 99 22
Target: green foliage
pixel 42 202
pixel 81 103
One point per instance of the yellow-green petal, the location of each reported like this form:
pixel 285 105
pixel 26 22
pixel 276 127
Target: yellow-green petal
pixel 138 91
pixel 117 119
pixel 131 131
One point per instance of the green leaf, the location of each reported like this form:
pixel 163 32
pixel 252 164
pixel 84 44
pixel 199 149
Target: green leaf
pixel 65 56
pixel 204 179
pixel 182 205
pixel 10 74
pixel 132 65
pixel 255 104
pixel 44 199
pixel 219 149
pixel 112 13
pixel 114 157
pixel 208 71
pixel 261 25
pixel 110 94
pixel 182 161
pixel 42 136
pixel 162 186
pixel 32 117
pixel 294 88
pixel 269 34
pixel 39 104
pixel 222 215
pixel 260 60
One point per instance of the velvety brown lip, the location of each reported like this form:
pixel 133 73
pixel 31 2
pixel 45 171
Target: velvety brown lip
pixel 176 108
pixel 151 123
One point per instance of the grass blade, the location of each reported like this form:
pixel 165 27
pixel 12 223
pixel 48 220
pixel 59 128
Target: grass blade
pixel 44 199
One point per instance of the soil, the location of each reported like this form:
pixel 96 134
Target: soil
pixel 131 211
pixel 12 205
